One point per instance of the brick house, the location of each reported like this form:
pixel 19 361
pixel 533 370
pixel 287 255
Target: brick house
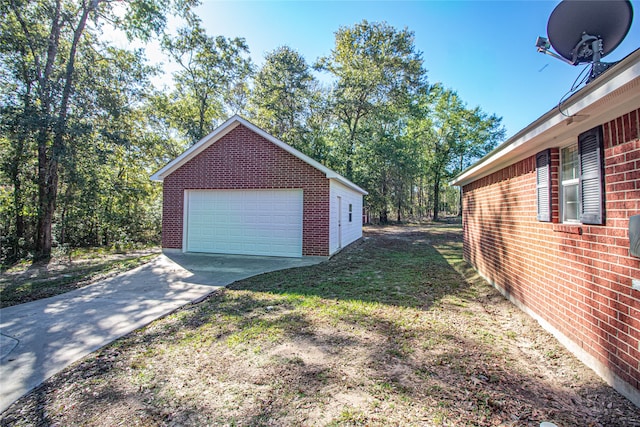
pixel 240 190
pixel 546 221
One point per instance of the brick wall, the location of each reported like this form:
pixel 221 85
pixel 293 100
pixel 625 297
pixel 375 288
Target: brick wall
pixel 244 160
pixel 575 278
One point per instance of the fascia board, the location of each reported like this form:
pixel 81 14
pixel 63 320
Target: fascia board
pixel 344 181
pixel 195 149
pixel 330 174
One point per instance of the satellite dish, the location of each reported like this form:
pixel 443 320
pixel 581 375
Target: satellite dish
pixel 573 22
pixel 586 31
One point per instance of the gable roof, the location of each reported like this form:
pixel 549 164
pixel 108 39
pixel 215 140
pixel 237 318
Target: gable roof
pixel 227 127
pixel 612 94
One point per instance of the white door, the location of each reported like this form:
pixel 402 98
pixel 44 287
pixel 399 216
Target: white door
pixel 251 222
pixel 339 222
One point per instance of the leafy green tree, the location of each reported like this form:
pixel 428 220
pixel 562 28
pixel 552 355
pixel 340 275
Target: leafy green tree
pixel 376 67
pixel 105 193
pixel 452 136
pixel 212 68
pixel 282 95
pixel 320 128
pixel 42 41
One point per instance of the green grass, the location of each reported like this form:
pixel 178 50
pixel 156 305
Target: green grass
pixel 394 330
pixel 23 283
pixel 398 274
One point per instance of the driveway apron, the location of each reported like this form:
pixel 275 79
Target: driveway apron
pixel 40 338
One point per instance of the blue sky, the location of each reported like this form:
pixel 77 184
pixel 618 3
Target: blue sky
pixel 485 50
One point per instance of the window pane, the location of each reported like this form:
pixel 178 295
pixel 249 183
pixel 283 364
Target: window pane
pixel 570 202
pixel 570 162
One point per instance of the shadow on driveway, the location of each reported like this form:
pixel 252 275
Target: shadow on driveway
pixel 40 338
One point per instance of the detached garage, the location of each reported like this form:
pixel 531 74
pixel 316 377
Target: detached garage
pixel 239 190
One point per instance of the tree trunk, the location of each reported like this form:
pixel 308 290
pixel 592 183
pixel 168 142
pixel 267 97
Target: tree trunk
pixel 201 118
pixel 436 197
pixel 47 183
pixel 48 164
pixel 384 217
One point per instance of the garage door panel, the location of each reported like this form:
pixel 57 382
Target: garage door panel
pixel 256 222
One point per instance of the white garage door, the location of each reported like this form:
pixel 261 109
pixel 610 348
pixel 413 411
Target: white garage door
pixel 252 222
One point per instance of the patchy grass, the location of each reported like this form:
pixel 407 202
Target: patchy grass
pixel 394 330
pixel 24 282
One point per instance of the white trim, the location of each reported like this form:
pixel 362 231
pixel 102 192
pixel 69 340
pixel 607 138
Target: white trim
pixel 553 128
pixel 194 150
pixel 185 219
pixel 227 127
pixel 566 183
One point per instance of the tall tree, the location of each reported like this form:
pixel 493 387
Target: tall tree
pixel 104 187
pixel 212 68
pixel 387 167
pixel 44 38
pixel 375 67
pixel 282 95
pixel 451 136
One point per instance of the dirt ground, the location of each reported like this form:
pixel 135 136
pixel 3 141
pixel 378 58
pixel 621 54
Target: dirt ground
pixel 394 330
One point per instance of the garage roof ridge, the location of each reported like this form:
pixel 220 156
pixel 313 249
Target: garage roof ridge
pixel 227 127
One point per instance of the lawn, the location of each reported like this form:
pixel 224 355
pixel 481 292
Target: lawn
pixel 394 330
pixel 27 281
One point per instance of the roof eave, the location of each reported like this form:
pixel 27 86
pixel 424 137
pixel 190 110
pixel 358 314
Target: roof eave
pixel 195 149
pixel 227 127
pixel 553 126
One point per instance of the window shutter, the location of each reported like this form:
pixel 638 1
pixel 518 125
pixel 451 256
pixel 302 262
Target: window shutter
pixel 591 187
pixel 543 185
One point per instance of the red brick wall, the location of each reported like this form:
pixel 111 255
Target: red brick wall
pixel 577 278
pixel 244 160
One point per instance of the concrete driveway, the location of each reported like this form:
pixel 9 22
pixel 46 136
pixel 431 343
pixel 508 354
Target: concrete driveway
pixel 40 338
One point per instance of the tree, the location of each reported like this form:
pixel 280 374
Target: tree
pixel 376 67
pixel 282 95
pixel 451 136
pixel 42 40
pixel 105 195
pixel 211 70
pixel 387 168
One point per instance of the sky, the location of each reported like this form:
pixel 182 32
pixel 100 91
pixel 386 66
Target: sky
pixel 484 50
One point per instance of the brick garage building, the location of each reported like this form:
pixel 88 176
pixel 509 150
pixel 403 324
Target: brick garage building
pixel 240 190
pixel 546 221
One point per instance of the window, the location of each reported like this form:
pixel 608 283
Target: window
pixel 580 181
pixel 569 181
pixel 350 212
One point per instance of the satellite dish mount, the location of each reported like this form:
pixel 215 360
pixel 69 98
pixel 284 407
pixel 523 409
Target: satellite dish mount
pixel 586 31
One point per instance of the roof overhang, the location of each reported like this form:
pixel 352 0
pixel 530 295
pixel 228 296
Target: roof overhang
pixel 227 127
pixel 614 93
